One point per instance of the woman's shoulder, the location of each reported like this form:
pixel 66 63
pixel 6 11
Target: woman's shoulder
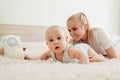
pixel 81 44
pixel 99 30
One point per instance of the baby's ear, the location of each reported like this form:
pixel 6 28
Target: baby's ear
pixel 46 43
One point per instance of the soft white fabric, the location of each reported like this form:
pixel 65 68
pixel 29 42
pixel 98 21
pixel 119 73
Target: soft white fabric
pixel 16 69
pixel 83 47
pixel 104 39
pixel 13 69
pixel 66 57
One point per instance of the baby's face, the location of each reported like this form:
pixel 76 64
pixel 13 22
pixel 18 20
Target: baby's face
pixel 56 40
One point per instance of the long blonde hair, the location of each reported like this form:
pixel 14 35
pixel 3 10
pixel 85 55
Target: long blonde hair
pixel 81 17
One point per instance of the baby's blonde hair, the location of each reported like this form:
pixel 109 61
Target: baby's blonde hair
pixel 81 17
pixel 56 26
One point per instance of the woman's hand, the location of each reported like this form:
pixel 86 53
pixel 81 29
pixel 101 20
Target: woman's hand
pixel 97 58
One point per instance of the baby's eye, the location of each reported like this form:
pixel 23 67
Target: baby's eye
pixel 59 38
pixel 51 40
pixel 74 28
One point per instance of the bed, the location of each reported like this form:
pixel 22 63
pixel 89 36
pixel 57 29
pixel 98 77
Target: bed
pixel 32 38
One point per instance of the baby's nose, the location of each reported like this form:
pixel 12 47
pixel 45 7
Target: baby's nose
pixel 56 41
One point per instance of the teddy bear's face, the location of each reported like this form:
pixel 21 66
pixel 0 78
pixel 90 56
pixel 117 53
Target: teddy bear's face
pixel 12 41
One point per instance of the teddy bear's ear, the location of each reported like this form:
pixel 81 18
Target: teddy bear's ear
pixel 24 49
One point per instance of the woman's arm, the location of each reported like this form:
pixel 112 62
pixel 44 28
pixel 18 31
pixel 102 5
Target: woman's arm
pixel 105 41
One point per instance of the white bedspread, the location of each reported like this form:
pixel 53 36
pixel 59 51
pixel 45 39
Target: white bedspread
pixel 13 69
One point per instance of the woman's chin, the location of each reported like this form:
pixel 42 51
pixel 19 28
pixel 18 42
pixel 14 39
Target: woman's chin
pixel 76 40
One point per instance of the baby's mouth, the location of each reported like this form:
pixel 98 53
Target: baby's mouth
pixel 57 47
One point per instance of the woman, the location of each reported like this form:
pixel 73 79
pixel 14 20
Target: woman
pixel 103 42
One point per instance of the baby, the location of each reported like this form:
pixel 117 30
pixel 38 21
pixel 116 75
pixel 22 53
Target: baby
pixel 60 50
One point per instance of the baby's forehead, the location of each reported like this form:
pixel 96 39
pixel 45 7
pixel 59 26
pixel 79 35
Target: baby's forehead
pixel 55 30
pixel 55 33
pixel 54 36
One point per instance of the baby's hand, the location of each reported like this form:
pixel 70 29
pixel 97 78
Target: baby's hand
pixel 27 57
pixel 43 57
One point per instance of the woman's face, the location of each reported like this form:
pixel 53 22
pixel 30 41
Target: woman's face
pixel 76 30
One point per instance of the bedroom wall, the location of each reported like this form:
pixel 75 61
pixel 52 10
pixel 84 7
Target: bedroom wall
pixel 102 13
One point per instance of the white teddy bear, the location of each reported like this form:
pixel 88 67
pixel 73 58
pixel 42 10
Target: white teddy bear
pixel 10 46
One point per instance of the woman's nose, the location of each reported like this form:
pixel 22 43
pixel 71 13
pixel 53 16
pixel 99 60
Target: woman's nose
pixel 71 33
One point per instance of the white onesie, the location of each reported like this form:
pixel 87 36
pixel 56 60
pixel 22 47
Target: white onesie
pixel 66 59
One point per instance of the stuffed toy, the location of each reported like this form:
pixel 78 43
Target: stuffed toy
pixel 10 47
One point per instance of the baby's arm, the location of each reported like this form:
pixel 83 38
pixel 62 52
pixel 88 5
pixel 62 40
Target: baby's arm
pixel 27 57
pixel 94 56
pixel 46 55
pixel 77 54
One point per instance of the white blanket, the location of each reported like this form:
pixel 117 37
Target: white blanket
pixel 13 69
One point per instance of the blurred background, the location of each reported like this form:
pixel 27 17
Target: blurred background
pixel 100 13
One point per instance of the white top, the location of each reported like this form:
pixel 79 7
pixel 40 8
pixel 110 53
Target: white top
pixel 82 47
pixel 104 39
pixel 66 59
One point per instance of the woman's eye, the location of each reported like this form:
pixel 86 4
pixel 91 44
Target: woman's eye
pixel 59 38
pixel 51 40
pixel 69 30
